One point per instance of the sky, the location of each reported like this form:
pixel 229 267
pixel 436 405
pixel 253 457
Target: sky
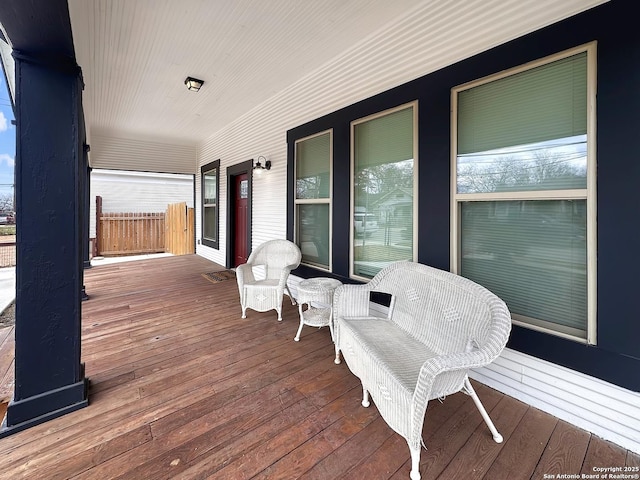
pixel 7 139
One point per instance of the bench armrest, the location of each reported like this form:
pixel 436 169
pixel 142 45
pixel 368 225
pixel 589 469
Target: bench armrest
pixel 442 375
pixel 441 364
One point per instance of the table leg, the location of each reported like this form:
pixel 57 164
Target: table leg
pixel 297 337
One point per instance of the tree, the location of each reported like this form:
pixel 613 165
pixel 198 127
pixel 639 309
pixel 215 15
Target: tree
pixel 378 180
pixel 6 202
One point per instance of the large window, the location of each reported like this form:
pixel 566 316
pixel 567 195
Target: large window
pixel 313 199
pixel 210 188
pixel 524 191
pixel 384 186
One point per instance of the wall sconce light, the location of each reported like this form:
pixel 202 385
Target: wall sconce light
pixel 258 167
pixel 193 84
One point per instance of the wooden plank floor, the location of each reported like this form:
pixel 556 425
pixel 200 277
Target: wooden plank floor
pixel 182 387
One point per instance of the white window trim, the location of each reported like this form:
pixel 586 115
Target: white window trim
pixel 315 201
pixel 413 104
pixel 588 194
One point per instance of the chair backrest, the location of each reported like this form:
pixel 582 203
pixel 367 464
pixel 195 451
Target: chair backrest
pixel 445 311
pixel 275 255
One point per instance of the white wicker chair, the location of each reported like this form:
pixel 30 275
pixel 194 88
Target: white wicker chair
pixel 264 292
pixel 439 326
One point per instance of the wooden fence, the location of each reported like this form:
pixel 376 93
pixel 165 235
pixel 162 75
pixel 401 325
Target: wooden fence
pixel 128 233
pixel 179 234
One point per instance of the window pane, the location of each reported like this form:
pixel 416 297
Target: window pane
pixel 532 254
pixel 383 192
pixel 313 233
pixel 312 167
pixel 210 188
pixel 210 227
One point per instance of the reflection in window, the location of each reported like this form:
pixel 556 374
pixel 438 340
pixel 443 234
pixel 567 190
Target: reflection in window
pixel 552 165
pixel 383 191
pixel 313 199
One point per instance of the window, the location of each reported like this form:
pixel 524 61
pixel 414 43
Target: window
pixel 524 191
pixel 210 189
pixel 384 187
pixel 313 161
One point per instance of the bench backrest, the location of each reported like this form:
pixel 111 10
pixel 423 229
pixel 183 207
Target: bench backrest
pixel 445 311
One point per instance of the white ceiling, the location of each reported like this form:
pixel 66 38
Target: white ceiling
pixel 135 55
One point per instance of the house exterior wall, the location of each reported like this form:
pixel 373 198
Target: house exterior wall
pixel 125 191
pixel 385 72
pixel 399 53
pixel 269 207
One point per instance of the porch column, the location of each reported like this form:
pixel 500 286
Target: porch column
pixel 49 377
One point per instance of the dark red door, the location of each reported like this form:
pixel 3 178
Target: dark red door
pixel 240 220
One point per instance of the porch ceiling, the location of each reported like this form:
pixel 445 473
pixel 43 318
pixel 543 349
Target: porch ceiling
pixel 135 56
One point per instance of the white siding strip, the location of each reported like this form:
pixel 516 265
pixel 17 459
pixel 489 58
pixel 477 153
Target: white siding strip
pixel 606 410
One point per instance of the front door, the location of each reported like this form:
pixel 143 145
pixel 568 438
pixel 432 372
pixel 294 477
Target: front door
pixel 240 219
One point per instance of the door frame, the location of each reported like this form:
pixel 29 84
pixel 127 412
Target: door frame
pixel 234 171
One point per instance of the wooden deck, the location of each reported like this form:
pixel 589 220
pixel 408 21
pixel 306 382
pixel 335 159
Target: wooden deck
pixel 182 387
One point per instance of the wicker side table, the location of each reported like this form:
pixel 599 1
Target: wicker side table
pixel 318 291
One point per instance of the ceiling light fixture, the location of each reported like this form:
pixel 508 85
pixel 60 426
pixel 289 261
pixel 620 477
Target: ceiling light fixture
pixel 258 167
pixel 193 84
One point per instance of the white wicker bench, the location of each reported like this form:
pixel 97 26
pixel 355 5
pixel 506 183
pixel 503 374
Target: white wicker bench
pixel 439 326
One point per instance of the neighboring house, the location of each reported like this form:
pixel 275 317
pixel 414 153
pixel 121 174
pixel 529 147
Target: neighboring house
pixel 491 117
pixel 139 192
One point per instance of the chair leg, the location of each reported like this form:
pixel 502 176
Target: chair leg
pixel 293 300
pixel 472 393
pixel 415 463
pixel 279 310
pixel 337 360
pixel 365 397
pixel 243 301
